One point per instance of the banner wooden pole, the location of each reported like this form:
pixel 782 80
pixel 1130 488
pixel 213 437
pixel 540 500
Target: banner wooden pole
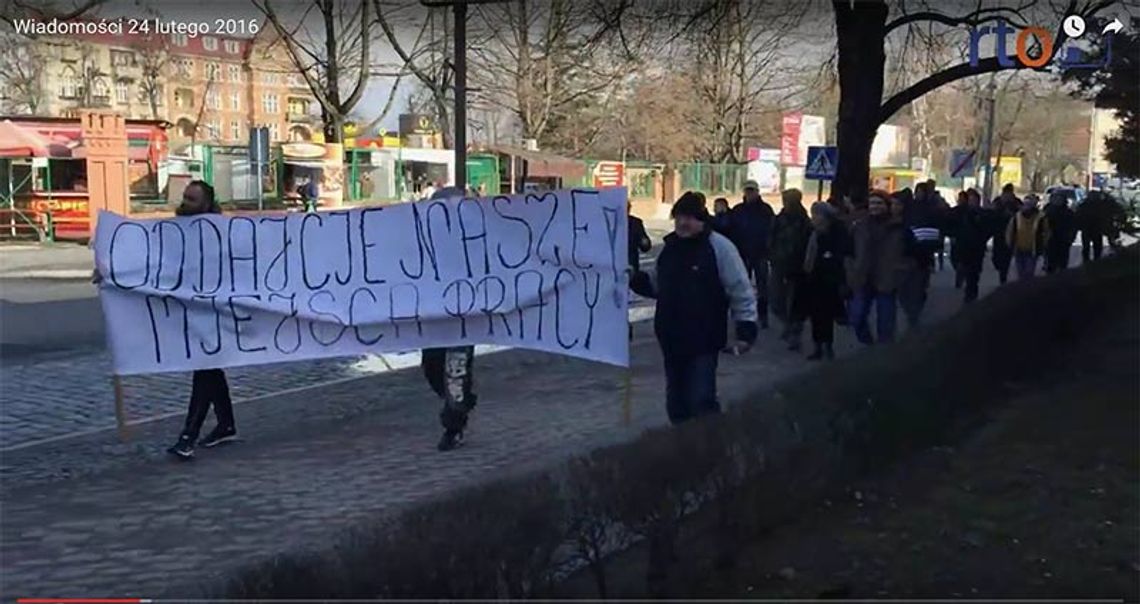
pixel 120 409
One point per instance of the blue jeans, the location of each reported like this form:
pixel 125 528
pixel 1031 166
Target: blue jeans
pixel 860 309
pixel 1026 265
pixel 690 386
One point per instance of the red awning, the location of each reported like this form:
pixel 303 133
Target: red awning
pixel 17 141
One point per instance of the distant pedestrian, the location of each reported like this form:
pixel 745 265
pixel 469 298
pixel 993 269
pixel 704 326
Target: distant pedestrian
pixel 208 386
pixel 879 250
pixel 699 279
pixel 1028 236
pixel 750 224
pixel 1062 223
pixel 1004 208
pixel 720 216
pixel 790 232
pixel 820 297
pixel 639 243
pixel 450 374
pixel 970 229
pixel 1097 218
pixel 923 218
pixel 953 217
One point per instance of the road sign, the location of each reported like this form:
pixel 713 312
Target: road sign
pixel 961 163
pixel 821 163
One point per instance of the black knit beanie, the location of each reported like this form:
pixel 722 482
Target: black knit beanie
pixel 690 204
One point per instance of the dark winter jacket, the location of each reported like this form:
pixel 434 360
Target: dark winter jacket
pixel 969 230
pixel 825 280
pixel 697 281
pixel 879 250
pixel 924 217
pixel 638 242
pixel 750 227
pixel 1062 229
pixel 790 232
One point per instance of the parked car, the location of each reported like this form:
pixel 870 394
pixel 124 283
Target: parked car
pixel 1074 195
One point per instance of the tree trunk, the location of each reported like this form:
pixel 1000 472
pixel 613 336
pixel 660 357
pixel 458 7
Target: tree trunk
pixel 861 31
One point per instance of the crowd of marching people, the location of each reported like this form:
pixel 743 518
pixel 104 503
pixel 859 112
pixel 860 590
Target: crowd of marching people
pixel 836 263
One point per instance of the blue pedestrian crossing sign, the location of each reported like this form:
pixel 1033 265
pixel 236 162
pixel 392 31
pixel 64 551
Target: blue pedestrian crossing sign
pixel 961 163
pixel 821 163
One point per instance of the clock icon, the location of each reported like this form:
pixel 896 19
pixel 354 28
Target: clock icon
pixel 1074 26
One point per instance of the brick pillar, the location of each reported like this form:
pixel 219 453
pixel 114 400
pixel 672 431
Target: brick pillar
pixel 105 138
pixel 332 176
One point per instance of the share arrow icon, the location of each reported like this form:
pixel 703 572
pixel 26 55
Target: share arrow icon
pixel 1113 27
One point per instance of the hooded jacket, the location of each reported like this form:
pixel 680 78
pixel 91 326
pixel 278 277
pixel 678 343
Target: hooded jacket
pixel 697 281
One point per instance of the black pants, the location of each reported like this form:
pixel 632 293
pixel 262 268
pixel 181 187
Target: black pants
pixel 690 386
pixel 757 268
pixel 823 304
pixel 449 373
pixel 1056 260
pixel 208 387
pixel 1094 241
pixel 1002 259
pixel 971 274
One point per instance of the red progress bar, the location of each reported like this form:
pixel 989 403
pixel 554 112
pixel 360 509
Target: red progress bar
pixel 80 601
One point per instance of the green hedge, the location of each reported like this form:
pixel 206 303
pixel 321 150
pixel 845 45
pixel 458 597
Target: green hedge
pixel 756 466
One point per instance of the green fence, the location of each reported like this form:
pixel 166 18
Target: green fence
pixel 712 179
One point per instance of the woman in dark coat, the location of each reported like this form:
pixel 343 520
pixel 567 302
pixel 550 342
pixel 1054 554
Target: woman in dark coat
pixel 821 298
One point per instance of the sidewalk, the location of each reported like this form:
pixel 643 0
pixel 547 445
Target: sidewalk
pixel 56 261
pixel 115 519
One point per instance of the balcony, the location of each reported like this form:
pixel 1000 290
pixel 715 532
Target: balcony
pixel 301 118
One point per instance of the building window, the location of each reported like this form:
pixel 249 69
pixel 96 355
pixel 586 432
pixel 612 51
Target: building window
pixel 235 130
pixel 179 39
pixel 298 106
pixel 121 58
pixel 68 86
pixel 274 132
pixel 100 90
pixel 235 101
pixel 184 98
pixel 210 43
pixel 122 92
pixel 213 71
pixel 269 78
pixel 185 67
pixel 234 72
pixel 294 80
pixel 269 103
pixel 213 100
pixel 232 47
pixel 214 130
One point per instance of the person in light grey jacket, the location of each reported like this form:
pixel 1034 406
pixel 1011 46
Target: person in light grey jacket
pixel 699 279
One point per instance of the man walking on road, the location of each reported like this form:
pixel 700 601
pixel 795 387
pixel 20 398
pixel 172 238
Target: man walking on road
pixel 449 372
pixel 879 244
pixel 1062 233
pixel 639 243
pixel 699 279
pixel 1005 207
pixel 970 230
pixel 790 232
pixel 750 225
pixel 1028 236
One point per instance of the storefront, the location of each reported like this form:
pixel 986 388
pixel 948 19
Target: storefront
pixel 301 165
pixel 52 175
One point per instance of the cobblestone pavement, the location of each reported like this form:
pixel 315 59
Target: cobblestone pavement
pixel 92 517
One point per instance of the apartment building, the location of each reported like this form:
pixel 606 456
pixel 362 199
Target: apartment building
pixel 211 88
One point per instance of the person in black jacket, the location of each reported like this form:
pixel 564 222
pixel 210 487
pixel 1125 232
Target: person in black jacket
pixel 790 232
pixel 1063 225
pixel 699 279
pixel 720 217
pixel 750 225
pixel 639 243
pixel 970 230
pixel 1004 208
pixel 820 298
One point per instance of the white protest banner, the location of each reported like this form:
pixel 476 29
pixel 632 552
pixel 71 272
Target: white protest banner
pixel 539 271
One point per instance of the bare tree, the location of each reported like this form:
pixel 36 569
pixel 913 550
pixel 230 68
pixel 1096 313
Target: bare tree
pixel 334 59
pixel 545 61
pixel 422 39
pixel 153 59
pixel 21 75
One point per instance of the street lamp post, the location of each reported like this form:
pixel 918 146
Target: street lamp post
pixel 459 62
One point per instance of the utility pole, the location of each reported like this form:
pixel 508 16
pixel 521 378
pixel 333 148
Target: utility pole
pixel 1092 148
pixel 987 143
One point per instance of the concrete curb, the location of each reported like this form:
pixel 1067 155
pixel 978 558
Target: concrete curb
pixel 49 274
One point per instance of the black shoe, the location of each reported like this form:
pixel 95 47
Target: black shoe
pixel 184 448
pixel 450 440
pixel 218 436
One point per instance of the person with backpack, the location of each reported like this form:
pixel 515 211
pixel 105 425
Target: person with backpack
pixel 790 232
pixel 699 279
pixel 1028 236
